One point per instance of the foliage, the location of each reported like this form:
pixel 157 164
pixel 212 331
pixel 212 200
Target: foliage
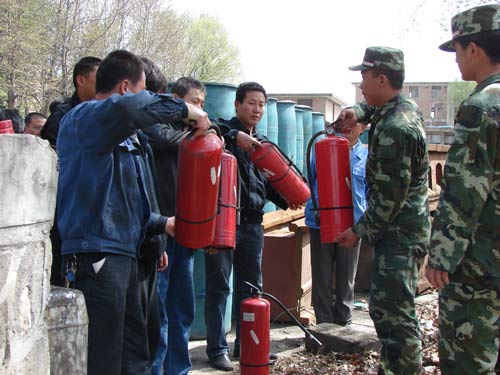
pixel 41 40
pixel 458 91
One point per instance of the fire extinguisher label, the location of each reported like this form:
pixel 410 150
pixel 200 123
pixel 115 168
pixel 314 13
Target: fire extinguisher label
pixel 248 317
pixel 213 175
pixel 254 337
pixel 268 173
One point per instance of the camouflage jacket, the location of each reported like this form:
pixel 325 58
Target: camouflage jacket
pixel 397 175
pixel 466 227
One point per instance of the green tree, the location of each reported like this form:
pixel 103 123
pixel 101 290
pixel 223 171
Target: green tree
pixel 458 91
pixel 209 54
pixel 41 40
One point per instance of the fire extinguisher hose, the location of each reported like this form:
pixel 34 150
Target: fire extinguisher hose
pixel 254 289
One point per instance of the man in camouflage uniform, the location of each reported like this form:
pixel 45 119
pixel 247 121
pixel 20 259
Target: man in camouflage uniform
pixel 464 259
pixel 396 221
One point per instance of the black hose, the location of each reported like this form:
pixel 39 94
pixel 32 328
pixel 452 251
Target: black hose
pixel 309 174
pixel 290 162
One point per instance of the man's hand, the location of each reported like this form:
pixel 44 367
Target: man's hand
pixel 292 206
pixel 246 142
pixel 347 239
pixel 163 262
pixel 347 119
pixel 437 278
pixel 197 118
pixel 170 226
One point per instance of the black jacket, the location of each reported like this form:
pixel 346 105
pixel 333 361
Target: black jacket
pixel 255 188
pixel 50 130
pixel 165 145
pixel 153 245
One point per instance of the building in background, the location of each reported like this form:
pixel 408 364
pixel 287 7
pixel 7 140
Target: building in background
pixel 431 97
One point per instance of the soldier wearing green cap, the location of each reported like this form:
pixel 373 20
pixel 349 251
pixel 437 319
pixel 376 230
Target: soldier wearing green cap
pixel 396 221
pixel 464 259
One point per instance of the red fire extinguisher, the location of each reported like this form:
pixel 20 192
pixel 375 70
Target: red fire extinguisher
pixel 225 227
pixel 281 173
pixel 255 315
pixel 198 174
pixel 6 127
pixel 333 175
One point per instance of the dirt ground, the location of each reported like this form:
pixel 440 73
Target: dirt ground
pixel 288 342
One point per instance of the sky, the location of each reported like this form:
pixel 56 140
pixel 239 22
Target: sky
pixel 307 46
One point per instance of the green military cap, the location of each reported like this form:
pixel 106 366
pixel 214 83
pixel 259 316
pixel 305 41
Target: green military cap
pixel 473 21
pixel 382 58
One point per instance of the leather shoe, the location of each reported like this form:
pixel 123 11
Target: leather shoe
pixel 221 362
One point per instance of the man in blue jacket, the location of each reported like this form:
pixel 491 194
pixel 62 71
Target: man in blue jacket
pixel 327 258
pixel 104 211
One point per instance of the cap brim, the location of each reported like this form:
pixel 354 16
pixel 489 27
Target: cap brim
pixel 359 67
pixel 448 46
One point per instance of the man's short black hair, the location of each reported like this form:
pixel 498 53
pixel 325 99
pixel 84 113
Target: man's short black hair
pixel 243 88
pixel 395 77
pixel 30 116
pixel 53 105
pixel 184 84
pixel 84 66
pixel 117 66
pixel 155 80
pixel 489 41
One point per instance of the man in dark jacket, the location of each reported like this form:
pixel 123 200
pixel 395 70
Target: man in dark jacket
pixel 175 284
pixel 104 211
pixel 84 81
pixel 240 137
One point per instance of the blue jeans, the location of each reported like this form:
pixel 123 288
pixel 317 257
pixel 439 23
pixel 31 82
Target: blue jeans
pixel 246 260
pixel 176 300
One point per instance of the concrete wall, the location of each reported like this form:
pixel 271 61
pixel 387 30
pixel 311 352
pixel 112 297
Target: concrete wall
pixel 28 181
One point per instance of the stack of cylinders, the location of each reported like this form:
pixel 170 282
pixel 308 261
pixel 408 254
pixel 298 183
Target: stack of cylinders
pixel 219 101
pixel 318 124
pixel 272 120
pixel 262 125
pixel 262 130
pixel 272 135
pixel 307 122
pixel 299 150
pixel 287 125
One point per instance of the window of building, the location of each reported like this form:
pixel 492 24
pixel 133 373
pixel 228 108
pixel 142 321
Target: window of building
pixel 413 92
pixel 308 102
pixel 436 92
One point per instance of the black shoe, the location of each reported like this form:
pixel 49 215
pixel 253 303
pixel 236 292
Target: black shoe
pixel 221 362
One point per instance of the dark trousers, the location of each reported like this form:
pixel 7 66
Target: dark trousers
pixel 118 340
pixel 149 300
pixel 246 260
pixel 325 259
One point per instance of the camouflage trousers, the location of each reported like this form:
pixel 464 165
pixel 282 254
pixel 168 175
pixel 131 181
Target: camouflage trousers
pixel 392 309
pixel 468 325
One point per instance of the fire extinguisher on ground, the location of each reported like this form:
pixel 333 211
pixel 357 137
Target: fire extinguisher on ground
pixel 255 332
pixel 333 205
